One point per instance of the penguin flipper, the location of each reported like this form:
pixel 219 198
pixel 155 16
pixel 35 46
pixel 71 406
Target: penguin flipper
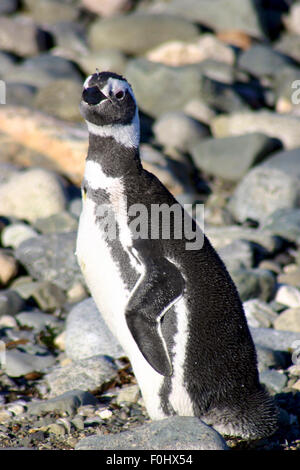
pixel 155 293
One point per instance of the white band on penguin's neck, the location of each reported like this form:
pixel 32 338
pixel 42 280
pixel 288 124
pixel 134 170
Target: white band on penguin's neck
pixel 127 135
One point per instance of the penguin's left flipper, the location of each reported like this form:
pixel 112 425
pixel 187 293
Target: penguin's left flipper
pixel 155 293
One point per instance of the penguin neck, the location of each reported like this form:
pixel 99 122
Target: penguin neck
pixel 115 148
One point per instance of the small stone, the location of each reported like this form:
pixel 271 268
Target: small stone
pixel 259 313
pixel 89 374
pixel 294 370
pixel 47 295
pixel 130 394
pixel 13 235
pixel 7 321
pixel 231 157
pixel 296 385
pixel 288 320
pixel 268 358
pixel 20 363
pixel 291 278
pixel 199 110
pixel 177 130
pixel 8 6
pixel 21 36
pixel 275 339
pixel 10 302
pixel 104 414
pixel 37 320
pixel 68 402
pixel 77 293
pixel 78 423
pixel 253 283
pixel 51 257
pixel 107 8
pixel 8 268
pixel 61 99
pixel 236 38
pixel 60 341
pixel 5 416
pixel 44 191
pixel 291 21
pixel 121 32
pixel 273 380
pixel 176 433
pixel 288 295
pixel 16 409
pixel 87 334
pixel 270 266
pixel 56 429
pixel 51 11
pixel 106 59
pixel 237 255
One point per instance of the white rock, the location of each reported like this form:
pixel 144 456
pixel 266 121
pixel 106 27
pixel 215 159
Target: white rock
pixel 107 8
pixel 288 295
pixel 13 235
pixel 32 194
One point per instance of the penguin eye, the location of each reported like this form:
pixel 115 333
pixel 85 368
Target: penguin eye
pixel 120 94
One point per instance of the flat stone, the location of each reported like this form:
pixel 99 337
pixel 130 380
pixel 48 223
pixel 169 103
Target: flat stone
pixel 10 302
pixel 87 374
pixel 51 257
pixel 138 32
pixel 268 358
pixel 288 295
pixel 176 433
pixel 106 59
pixel 13 235
pixel 262 61
pixel 44 195
pixel 177 130
pixel 288 320
pixel 107 8
pixel 275 339
pixel 284 223
pixel 259 313
pixel 87 334
pixel 237 255
pixel 129 393
pixel 279 126
pixel 262 191
pixel 273 380
pixel 67 402
pixel 222 236
pixel 221 15
pixel 231 157
pixel 20 363
pixel 57 223
pixel 253 283
pixel 291 278
pixel 37 320
pixel 52 11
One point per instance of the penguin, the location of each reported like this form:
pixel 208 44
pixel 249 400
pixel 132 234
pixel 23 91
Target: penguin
pixel 175 310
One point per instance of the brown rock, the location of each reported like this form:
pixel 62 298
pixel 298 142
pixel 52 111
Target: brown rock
pixel 292 278
pixel 235 38
pixel 64 146
pixel 8 268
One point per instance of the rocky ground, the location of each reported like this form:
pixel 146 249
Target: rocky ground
pixel 217 87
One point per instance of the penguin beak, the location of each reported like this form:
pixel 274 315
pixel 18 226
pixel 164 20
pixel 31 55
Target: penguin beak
pixel 93 96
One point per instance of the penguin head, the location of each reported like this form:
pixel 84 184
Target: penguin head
pixel 107 99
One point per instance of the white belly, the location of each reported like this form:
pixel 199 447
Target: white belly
pixel 106 286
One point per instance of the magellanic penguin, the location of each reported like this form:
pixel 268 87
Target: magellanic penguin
pixel 175 311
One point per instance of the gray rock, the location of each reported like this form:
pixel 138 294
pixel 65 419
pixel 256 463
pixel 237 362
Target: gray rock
pixel 10 302
pixel 253 283
pixel 106 59
pixel 177 130
pixel 20 363
pixel 69 38
pixel 284 127
pixel 289 44
pixel 57 223
pixel 267 358
pixel 20 94
pixel 221 15
pixel 274 339
pixel 138 32
pixel 52 258
pixel 13 235
pixel 222 236
pixel 183 84
pixel 237 255
pixel 61 99
pixel 51 11
pixel 262 61
pixel 47 295
pixel 8 6
pixel 87 334
pixel 263 191
pixel 37 320
pixel 67 402
pixel 176 433
pixel 284 223
pixel 259 313
pixel 21 36
pixel 45 194
pixel 273 380
pixel 129 394
pixel 75 207
pixel 86 374
pixel 231 157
